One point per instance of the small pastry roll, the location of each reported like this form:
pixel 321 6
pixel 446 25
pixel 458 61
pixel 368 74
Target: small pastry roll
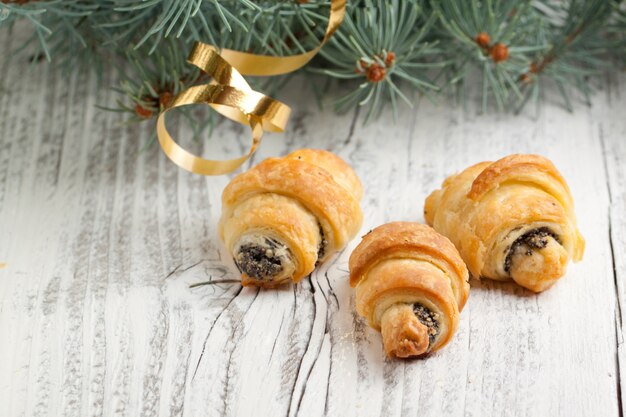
pixel 410 284
pixel 286 215
pixel 510 219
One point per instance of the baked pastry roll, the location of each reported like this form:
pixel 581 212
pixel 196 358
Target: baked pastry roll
pixel 410 284
pixel 285 215
pixel 510 219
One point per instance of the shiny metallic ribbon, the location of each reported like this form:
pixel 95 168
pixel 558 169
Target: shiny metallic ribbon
pixel 230 95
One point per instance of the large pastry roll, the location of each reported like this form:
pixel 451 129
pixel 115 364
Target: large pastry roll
pixel 410 284
pixel 510 219
pixel 286 215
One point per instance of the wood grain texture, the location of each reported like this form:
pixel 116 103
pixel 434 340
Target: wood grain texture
pixel 104 239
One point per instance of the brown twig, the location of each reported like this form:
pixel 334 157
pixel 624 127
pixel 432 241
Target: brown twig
pixel 539 65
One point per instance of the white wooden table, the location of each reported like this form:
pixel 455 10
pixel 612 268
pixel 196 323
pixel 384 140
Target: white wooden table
pixel 103 241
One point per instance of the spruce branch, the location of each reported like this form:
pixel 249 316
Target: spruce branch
pixel 385 50
pixel 382 44
pixel 578 47
pixel 493 38
pixel 278 28
pixel 57 25
pixel 147 85
pixel 616 32
pixel 150 85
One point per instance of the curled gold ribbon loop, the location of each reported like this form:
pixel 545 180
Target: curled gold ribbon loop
pixel 230 95
pixel 265 65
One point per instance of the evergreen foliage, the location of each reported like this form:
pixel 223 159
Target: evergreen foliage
pixel 385 49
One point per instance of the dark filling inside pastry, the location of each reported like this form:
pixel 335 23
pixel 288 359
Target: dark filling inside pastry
pixel 260 261
pixel 321 249
pixel 428 319
pixel 528 242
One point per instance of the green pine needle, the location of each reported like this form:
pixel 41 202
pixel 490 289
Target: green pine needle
pixel 384 52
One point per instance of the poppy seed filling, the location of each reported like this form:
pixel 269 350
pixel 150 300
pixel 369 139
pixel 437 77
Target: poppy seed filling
pixel 261 261
pixel 429 319
pixel 529 242
pixel 321 249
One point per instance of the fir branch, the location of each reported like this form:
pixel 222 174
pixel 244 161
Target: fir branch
pixel 382 44
pixel 578 47
pixel 493 38
pixel 616 31
pixel 151 84
pixel 57 25
pixel 385 50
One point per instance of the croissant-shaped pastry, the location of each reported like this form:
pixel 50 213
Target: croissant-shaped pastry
pixel 510 219
pixel 410 284
pixel 286 215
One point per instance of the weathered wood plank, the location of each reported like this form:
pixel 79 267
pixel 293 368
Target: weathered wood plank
pixel 612 132
pixel 104 240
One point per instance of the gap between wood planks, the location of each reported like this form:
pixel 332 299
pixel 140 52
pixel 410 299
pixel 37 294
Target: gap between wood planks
pixel 618 306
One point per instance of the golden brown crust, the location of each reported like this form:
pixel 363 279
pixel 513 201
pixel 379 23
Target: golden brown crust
pixel 404 336
pixel 439 198
pixel 342 173
pixel 404 264
pixel 290 199
pixel 520 168
pixel 295 227
pixel 338 211
pixel 490 209
pixel 248 281
pixel 409 240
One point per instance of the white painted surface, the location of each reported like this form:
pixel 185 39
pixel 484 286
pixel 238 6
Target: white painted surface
pixel 102 241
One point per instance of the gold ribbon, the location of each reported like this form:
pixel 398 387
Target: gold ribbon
pixel 230 95
pixel 265 65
